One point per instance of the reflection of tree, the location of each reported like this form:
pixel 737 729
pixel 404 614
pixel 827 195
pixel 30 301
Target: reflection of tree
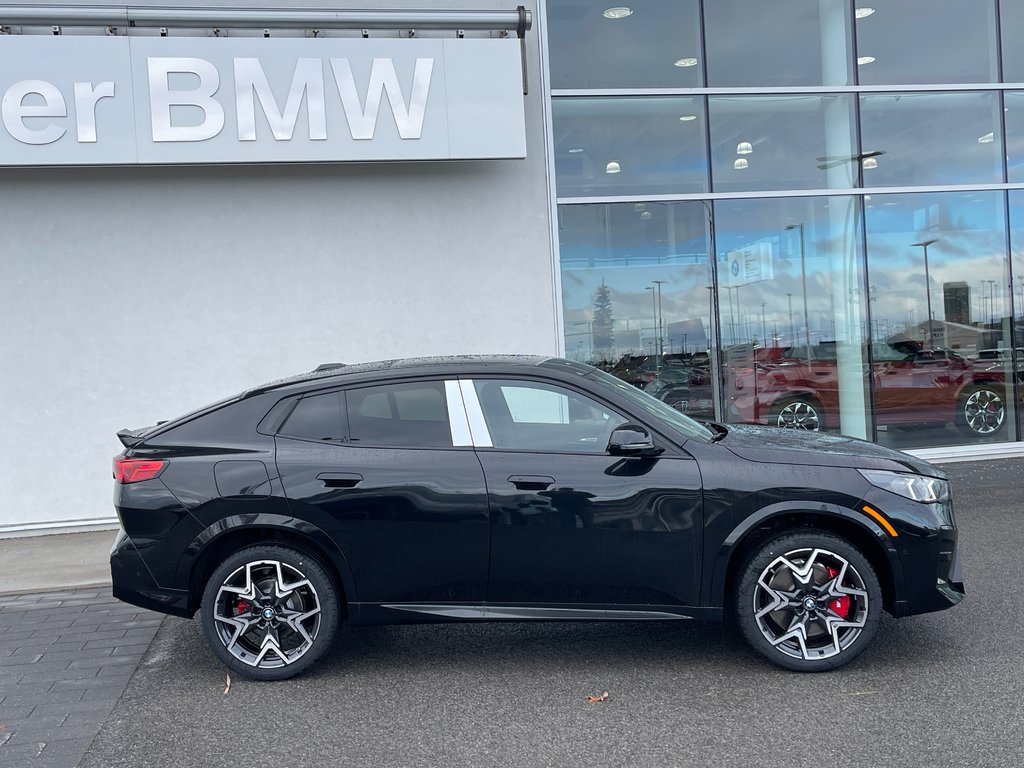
pixel 603 332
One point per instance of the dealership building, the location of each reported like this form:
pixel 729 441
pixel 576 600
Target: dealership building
pixel 806 212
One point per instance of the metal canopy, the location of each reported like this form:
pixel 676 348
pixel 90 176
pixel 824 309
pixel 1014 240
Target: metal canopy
pixel 518 19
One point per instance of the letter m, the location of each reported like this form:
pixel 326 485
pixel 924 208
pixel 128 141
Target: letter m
pixel 307 80
pixel 362 122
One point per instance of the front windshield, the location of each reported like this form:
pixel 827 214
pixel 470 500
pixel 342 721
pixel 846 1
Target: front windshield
pixel 649 404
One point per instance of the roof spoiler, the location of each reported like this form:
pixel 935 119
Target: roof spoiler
pixel 131 437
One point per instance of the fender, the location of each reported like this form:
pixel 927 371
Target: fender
pixel 294 525
pixel 716 586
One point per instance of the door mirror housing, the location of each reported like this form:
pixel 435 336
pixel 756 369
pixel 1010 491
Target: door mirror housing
pixel 632 440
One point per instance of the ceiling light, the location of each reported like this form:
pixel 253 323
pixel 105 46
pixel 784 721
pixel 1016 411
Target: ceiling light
pixel 646 216
pixel 687 118
pixel 618 12
pixel 744 148
pixel 575 150
pixel 862 60
pixel 740 164
pixel 869 163
pixel 860 13
pixel 687 62
pixel 612 167
pixel 988 138
pixel 638 207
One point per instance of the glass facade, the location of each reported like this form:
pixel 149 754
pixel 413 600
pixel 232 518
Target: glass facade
pixel 805 214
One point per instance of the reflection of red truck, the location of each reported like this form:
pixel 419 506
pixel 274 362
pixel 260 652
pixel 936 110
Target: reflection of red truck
pixel 911 385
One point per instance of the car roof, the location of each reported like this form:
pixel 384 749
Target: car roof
pixel 443 364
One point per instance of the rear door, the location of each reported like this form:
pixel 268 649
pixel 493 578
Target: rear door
pixel 397 482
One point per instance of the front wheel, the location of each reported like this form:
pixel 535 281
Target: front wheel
pixel 270 611
pixel 808 602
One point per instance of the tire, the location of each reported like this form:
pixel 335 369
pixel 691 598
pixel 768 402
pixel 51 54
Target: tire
pixel 790 573
pixel 981 411
pixel 270 611
pixel 797 413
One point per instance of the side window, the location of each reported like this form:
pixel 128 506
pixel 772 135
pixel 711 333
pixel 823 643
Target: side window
pixel 532 416
pixel 319 417
pixel 411 415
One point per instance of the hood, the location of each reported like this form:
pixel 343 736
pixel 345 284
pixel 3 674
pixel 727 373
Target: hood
pixel 787 446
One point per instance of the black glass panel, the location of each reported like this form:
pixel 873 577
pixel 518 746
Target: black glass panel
pixel 926 41
pixel 649 44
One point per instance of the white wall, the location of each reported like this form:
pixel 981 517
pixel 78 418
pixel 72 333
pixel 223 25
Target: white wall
pixel 131 295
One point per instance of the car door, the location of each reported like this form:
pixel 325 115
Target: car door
pixel 572 525
pixel 390 469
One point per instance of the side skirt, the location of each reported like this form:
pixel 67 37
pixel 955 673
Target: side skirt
pixel 401 613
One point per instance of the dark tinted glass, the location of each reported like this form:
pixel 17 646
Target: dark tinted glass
pixel 926 41
pixel 409 415
pixel 599 44
pixel 629 146
pixel 785 42
pixel 1011 25
pixel 931 138
pixel 317 418
pixel 782 142
pixel 529 416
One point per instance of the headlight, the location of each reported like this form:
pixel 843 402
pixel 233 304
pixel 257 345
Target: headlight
pixel 913 487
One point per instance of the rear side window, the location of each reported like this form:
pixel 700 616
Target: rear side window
pixel 413 415
pixel 320 417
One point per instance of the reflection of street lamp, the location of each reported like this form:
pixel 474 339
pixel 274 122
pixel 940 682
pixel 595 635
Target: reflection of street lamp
pixel 803 280
pixel 654 313
pixel 661 321
pixel 927 287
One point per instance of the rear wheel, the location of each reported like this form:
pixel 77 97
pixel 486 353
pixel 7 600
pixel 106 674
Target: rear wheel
pixel 797 413
pixel 981 411
pixel 808 601
pixel 270 611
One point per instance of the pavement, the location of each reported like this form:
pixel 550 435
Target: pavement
pixel 56 561
pixel 945 689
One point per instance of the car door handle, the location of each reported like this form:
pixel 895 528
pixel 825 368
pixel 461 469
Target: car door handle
pixel 532 482
pixel 340 479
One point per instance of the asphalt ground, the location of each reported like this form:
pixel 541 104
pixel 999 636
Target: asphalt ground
pixel 943 689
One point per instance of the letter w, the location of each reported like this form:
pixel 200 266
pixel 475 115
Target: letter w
pixel 308 80
pixel 363 122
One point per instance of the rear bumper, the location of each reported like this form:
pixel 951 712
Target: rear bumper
pixel 133 583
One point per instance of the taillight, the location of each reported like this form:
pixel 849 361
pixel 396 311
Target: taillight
pixel 136 470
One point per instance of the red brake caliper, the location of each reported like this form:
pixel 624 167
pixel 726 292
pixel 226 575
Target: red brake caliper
pixel 841 605
pixel 243 606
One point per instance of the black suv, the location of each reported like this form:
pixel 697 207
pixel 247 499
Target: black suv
pixel 520 488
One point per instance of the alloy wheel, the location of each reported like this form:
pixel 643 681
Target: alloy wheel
pixel 984 411
pixel 810 604
pixel 267 614
pixel 798 415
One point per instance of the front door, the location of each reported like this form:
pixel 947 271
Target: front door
pixel 570 524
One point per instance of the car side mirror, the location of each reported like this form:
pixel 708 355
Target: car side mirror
pixel 632 440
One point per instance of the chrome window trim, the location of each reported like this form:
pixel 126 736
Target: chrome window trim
pixel 458 422
pixel 475 414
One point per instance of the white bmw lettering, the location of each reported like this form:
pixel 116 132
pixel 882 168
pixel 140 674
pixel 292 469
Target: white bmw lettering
pixel 162 97
pixel 307 81
pixel 15 111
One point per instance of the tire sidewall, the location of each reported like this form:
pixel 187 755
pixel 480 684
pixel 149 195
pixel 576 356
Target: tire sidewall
pixel 763 556
pixel 311 568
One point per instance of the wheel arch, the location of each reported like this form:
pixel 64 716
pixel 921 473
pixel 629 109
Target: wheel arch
pixel 230 534
pixel 862 532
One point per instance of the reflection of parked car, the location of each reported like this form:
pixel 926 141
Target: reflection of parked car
pixel 686 387
pixel 640 370
pixel 911 385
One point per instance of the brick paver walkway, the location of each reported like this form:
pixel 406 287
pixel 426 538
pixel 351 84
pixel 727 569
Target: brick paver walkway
pixel 65 659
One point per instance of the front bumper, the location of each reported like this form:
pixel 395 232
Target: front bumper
pixel 134 583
